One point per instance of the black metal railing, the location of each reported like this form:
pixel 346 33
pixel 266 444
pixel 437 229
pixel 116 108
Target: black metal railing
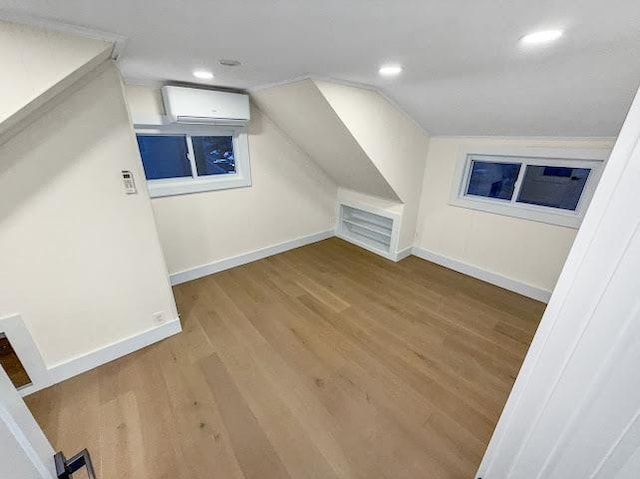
pixel 66 467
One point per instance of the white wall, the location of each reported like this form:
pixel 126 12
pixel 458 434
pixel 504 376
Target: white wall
pixel 290 197
pixel 525 251
pixel 25 452
pixel 45 62
pixel 574 409
pixel 305 115
pixel 81 261
pixel 395 144
pixel 14 462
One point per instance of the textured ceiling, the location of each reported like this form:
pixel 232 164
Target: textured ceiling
pixel 465 72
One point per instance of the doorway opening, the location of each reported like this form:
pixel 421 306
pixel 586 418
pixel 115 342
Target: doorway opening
pixel 12 364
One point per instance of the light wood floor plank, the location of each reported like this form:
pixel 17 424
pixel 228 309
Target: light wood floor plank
pixel 322 362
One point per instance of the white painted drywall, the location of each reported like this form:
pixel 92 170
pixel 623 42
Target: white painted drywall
pixel 290 197
pixel 304 114
pixel 25 452
pixel 466 73
pixel 574 411
pixel 46 62
pixel 392 141
pixel 525 251
pixel 14 462
pixel 81 260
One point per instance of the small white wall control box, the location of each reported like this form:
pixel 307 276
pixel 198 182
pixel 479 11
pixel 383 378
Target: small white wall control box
pixel 129 184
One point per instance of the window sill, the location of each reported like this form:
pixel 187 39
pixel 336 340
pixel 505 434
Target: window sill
pixel 523 211
pixel 173 187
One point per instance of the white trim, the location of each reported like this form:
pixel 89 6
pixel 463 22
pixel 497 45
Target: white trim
pixel 579 305
pixel 69 28
pixel 592 158
pixel 301 78
pixel 25 348
pixel 403 253
pixel 497 279
pixel 518 138
pixel 72 367
pixel 227 263
pixel 352 240
pixel 54 96
pixel 148 82
pixel 349 83
pixel 371 207
pixel 27 434
pixel 195 183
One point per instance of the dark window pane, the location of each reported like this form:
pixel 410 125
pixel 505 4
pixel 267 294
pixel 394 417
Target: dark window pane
pixel 164 156
pixel 493 180
pixel 214 155
pixel 553 186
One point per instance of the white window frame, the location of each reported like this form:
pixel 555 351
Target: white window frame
pixel 195 184
pixel 593 159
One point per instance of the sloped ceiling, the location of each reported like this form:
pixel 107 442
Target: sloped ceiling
pixel 304 114
pixel 44 62
pixel 466 73
pixel 393 142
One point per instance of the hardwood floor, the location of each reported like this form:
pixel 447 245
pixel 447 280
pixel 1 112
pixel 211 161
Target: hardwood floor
pixel 11 363
pixel 322 362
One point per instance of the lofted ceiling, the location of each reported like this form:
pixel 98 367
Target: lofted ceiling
pixel 302 111
pixel 465 71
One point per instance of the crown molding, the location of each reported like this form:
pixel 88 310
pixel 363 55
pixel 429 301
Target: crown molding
pixel 349 83
pixel 54 25
pixel 610 139
pixel 148 82
pixel 301 78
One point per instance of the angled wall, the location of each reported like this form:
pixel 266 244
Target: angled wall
pixel 38 64
pixel 392 141
pixel 290 198
pixel 304 114
pixel 526 252
pixel 81 258
pixel 363 141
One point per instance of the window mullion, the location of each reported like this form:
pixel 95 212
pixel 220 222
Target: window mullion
pixel 518 185
pixel 466 177
pixel 192 157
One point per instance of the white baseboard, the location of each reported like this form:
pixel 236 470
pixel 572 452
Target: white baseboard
pixel 362 245
pixel 402 254
pixel 67 369
pixel 227 263
pixel 534 292
pixel 72 367
pixel 395 257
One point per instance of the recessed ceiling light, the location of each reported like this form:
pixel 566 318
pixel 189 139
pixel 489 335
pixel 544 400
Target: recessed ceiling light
pixel 203 74
pixel 225 62
pixel 545 36
pixel 390 70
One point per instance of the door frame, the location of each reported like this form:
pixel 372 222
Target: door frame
pixel 570 310
pixel 18 420
pixel 23 344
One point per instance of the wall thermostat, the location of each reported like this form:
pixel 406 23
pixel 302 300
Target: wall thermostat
pixel 129 184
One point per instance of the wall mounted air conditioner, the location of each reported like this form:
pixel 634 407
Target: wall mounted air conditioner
pixel 193 105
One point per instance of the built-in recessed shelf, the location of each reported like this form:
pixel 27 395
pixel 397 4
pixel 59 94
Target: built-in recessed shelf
pixel 370 227
pixel 366 228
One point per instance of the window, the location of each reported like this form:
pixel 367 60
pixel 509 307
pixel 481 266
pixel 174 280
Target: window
pixel 553 189
pixel 553 186
pixel 164 156
pixel 493 180
pixel 180 159
pixel 214 155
